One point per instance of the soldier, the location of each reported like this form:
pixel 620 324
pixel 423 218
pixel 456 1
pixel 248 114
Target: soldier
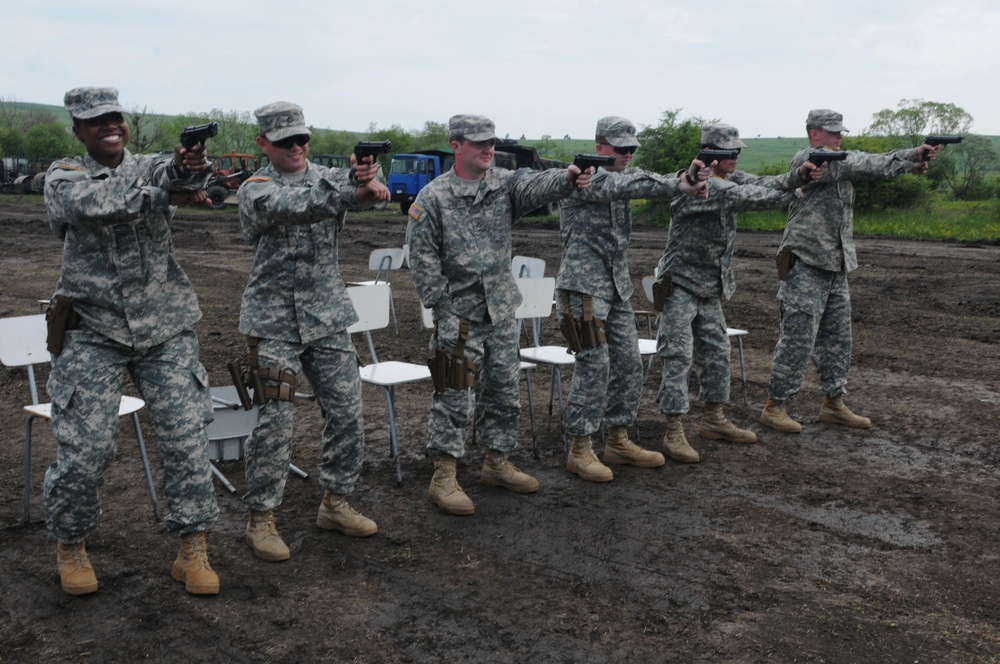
pixel 594 288
pixel 295 314
pixel 460 259
pixel 123 302
pixel 818 251
pixel 695 274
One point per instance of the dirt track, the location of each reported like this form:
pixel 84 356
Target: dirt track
pixel 829 546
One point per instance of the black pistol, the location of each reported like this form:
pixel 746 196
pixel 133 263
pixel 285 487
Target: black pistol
pixel 195 134
pixel 707 156
pixel 934 141
pixel 585 161
pixel 821 158
pixel 364 149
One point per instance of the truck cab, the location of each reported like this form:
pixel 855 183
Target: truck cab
pixel 410 172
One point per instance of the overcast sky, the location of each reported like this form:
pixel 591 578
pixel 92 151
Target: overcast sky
pixel 535 67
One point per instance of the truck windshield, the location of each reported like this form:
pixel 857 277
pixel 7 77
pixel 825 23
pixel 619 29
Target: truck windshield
pixel 403 166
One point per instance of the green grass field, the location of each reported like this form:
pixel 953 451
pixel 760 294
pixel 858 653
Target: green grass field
pixel 964 221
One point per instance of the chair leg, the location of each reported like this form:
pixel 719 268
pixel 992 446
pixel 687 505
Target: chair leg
pixel 531 412
pixel 222 478
pixel 298 471
pixel 743 371
pixel 145 466
pixel 393 442
pixel 27 468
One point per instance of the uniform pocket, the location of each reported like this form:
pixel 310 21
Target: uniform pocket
pixel 60 393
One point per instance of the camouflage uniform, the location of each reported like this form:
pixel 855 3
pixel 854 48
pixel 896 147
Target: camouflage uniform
pixel 460 260
pixel 698 256
pixel 137 309
pixel 297 305
pixel 596 225
pixel 815 302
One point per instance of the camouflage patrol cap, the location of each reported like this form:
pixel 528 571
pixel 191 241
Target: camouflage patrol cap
pixel 722 136
pixel 281 119
pixel 471 127
pixel 86 103
pixel 825 119
pixel 617 131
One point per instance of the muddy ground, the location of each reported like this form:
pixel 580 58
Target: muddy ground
pixel 829 546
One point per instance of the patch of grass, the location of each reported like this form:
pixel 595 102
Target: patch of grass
pixel 963 221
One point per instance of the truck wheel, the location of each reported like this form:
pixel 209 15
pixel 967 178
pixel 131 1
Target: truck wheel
pixel 405 207
pixel 217 197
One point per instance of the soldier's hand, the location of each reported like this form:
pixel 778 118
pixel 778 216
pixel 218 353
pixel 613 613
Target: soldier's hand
pixel 189 197
pixel 580 179
pixel 697 190
pixel 919 168
pixel 366 170
pixel 372 191
pixel 698 170
pixel 191 161
pixel 928 152
pixel 810 172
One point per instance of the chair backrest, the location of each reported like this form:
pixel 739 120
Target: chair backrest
pixel 527 266
pixel 537 297
pixel 406 255
pixel 384 261
pixel 372 306
pixel 23 343
pixel 647 287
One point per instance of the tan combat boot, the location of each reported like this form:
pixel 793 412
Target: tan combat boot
pixel 716 426
pixel 499 471
pixel 336 514
pixel 676 443
pixel 263 537
pixel 445 491
pixel 835 412
pixel 583 462
pixel 619 449
pixel 774 416
pixel 75 572
pixel 192 566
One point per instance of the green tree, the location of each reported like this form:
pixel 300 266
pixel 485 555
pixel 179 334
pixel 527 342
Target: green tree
pixel 671 145
pixel 11 142
pixel 48 141
pixel 962 168
pixel 145 130
pixel 916 118
pixel 434 136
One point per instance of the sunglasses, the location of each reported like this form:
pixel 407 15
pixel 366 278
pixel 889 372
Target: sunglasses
pixel 287 143
pixel 626 150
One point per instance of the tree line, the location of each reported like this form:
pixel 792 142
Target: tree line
pixel 962 171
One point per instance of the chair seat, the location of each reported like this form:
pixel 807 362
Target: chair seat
pixel 736 332
pixel 647 346
pixel 548 355
pixel 527 365
pixel 394 373
pixel 127 406
pixel 370 282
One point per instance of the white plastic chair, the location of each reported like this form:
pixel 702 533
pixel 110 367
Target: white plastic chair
pixel 372 303
pixel 537 304
pixel 527 266
pixel 383 262
pixel 23 344
pixel 647 287
pixel 531 268
pixel 230 429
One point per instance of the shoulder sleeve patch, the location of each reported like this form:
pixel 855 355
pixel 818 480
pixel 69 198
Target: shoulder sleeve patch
pixel 416 212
